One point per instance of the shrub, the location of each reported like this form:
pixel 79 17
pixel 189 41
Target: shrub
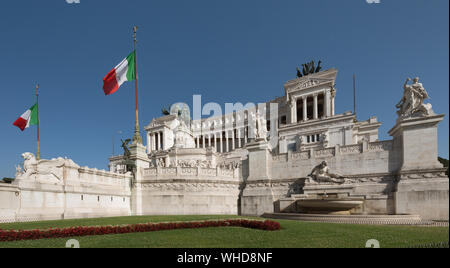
pixel 15 235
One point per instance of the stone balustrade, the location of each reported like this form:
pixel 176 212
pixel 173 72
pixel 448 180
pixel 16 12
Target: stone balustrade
pixel 371 147
pixel 381 146
pixel 351 149
pixel 198 172
pixel 301 155
pixel 280 158
pixel 328 152
pixel 94 175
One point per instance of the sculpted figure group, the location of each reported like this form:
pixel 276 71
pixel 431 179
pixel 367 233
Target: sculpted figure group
pixel 44 171
pixel 412 102
pixel 321 173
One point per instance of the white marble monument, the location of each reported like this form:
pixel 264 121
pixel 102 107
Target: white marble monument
pixel 223 165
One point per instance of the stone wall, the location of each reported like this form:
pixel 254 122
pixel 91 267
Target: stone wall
pixel 363 158
pixel 189 191
pixel 369 165
pixel 398 176
pixel 9 201
pixel 81 193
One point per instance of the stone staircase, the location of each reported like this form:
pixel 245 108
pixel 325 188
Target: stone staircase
pixel 358 219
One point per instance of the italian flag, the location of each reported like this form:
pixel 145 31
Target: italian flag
pixel 125 71
pixel 29 118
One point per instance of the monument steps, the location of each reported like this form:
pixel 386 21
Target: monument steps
pixel 358 219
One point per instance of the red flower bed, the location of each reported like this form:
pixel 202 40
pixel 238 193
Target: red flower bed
pixel 14 235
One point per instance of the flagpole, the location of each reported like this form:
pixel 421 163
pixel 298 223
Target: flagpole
pixel 137 136
pixel 354 94
pixel 38 152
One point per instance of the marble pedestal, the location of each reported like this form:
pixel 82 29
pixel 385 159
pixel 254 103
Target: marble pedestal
pixel 257 195
pixel 422 186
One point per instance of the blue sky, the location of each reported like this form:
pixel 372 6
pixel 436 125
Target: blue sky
pixel 228 51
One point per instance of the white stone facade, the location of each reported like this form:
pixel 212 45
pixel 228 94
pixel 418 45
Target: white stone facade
pixel 80 192
pixel 307 131
pixel 224 165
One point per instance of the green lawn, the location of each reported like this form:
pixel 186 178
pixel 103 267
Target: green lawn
pixel 293 234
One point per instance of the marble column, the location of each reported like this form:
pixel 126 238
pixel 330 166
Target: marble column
pixel 233 141
pixel 153 142
pixel 221 142
pixel 227 143
pixel 333 94
pixel 149 143
pixel 203 141
pixel 209 140
pixel 239 138
pixel 315 108
pixel 305 108
pixel 215 142
pixel 156 141
pixel 245 135
pixel 332 106
pixel 326 106
pixel 293 106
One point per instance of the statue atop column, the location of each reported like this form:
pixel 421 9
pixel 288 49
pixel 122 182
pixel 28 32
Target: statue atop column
pixel 183 137
pixel 126 156
pixel 412 102
pixel 321 173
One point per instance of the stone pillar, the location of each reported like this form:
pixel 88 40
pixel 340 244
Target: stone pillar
pixel 227 142
pixel 305 108
pixel 245 136
pixel 257 200
pixel 149 143
pixel 416 138
pixel 215 142
pixel 203 141
pixel 348 135
pixel 141 162
pixel 315 108
pixel 209 140
pixel 233 141
pixel 153 141
pixel 239 138
pixel 326 103
pixel 333 94
pixel 332 106
pixel 422 187
pixel 221 142
pixel 293 106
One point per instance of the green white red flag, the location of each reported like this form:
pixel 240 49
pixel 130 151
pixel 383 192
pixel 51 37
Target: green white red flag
pixel 124 71
pixel 29 118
